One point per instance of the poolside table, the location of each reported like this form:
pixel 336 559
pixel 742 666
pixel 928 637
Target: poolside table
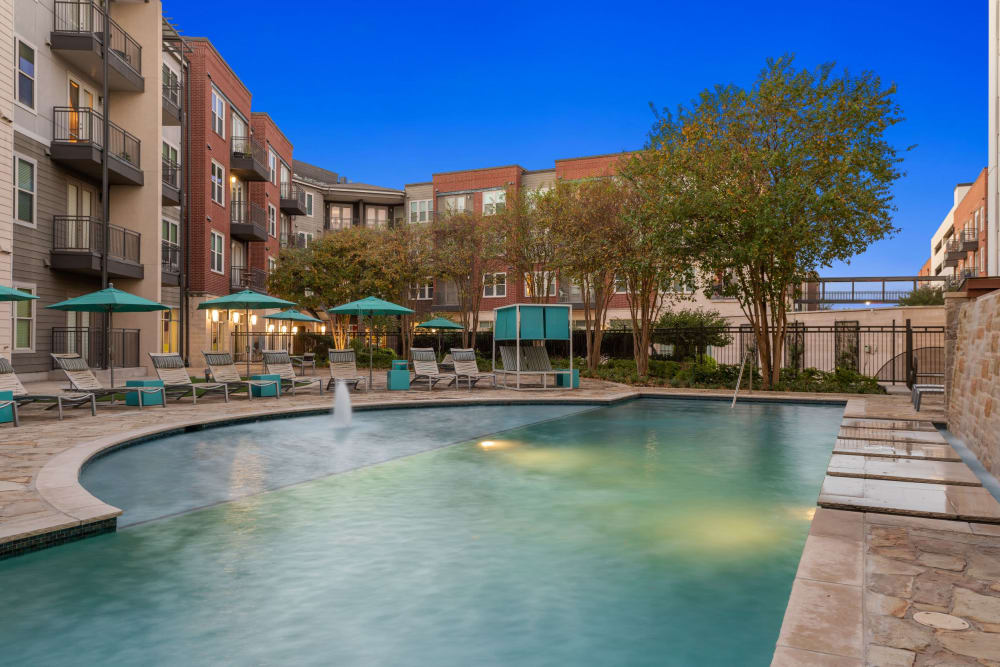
pixel 268 390
pixel 6 412
pixel 148 397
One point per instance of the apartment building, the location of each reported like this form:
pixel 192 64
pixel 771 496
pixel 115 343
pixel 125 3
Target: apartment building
pixel 6 177
pixel 960 247
pixel 78 109
pixel 331 202
pixel 942 236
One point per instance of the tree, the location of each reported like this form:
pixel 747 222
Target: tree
pixel 924 296
pixel 526 242
pixel 463 245
pixel 691 331
pixel 585 219
pixel 776 181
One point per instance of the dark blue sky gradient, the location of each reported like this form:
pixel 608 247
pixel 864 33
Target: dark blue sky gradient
pixel 388 93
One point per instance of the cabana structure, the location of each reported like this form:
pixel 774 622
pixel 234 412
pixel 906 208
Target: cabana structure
pixel 521 323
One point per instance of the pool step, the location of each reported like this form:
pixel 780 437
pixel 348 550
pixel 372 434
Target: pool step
pixel 939 501
pixel 902 470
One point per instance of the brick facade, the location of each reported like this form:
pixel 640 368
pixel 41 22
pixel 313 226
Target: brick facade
pixel 971 214
pixel 267 193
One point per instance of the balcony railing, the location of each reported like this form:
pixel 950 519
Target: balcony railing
pixel 172 92
pixel 171 173
pixel 246 213
pixel 82 125
pixel 83 233
pixel 969 240
pixel 88 342
pixel 170 257
pixel 87 17
pixel 242 278
pixel 248 159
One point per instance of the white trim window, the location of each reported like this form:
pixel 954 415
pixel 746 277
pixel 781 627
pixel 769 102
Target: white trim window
pixel 218 116
pixel 23 324
pixel 272 166
pixel 621 285
pixel 422 292
pixel 272 220
pixel 171 231
pixel 421 210
pixel 493 201
pixel 454 204
pixel 309 204
pixel 495 285
pixel 272 264
pixel 540 278
pixel 305 239
pixel 340 216
pixel 218 184
pixel 217 253
pixel 25 191
pixel 25 67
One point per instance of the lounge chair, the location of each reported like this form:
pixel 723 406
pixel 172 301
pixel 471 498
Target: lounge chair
pixel 425 367
pixel 169 367
pixel 920 390
pixel 82 380
pixel 534 361
pixel 277 362
pixel 304 361
pixel 344 367
pixel 10 382
pixel 222 368
pixel 467 369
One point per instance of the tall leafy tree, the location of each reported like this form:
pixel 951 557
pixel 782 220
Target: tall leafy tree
pixel 527 244
pixel 776 181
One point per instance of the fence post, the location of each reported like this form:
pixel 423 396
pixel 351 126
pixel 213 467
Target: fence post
pixel 910 379
pixel 892 357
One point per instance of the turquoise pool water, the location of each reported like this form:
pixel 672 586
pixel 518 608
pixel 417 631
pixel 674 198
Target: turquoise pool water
pixel 649 533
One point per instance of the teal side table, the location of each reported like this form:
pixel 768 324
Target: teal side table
pixel 563 379
pixel 6 413
pixel 148 397
pixel 269 390
pixel 397 380
pixel 400 365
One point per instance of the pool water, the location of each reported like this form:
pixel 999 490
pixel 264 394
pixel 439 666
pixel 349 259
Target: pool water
pixel 655 532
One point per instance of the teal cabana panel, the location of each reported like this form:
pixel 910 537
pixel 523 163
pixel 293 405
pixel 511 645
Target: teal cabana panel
pixel 557 323
pixel 505 328
pixel 533 322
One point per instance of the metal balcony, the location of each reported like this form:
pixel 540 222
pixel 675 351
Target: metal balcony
pixel 293 199
pixel 77 36
pixel 243 278
pixel 78 140
pixel 77 243
pixel 953 252
pixel 247 221
pixel 171 113
pixel 969 241
pixel 170 263
pixel 170 191
pixel 248 159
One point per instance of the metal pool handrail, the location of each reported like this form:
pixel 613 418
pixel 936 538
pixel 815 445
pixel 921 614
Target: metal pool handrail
pixel 739 379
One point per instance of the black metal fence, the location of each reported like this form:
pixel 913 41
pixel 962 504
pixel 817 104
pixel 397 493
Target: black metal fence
pixel 88 342
pixel 263 340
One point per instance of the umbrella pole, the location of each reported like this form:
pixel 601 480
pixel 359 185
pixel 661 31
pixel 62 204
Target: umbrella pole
pixel 247 320
pixel 107 345
pixel 371 325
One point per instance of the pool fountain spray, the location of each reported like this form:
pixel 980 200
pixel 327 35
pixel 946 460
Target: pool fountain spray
pixel 341 406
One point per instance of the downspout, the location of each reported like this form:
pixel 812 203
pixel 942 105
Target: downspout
pixel 105 186
pixel 185 226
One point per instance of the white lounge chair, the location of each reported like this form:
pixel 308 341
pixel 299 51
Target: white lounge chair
pixel 277 362
pixel 425 367
pixel 466 368
pixel 222 368
pixel 170 369
pixel 344 367
pixel 82 380
pixel 10 382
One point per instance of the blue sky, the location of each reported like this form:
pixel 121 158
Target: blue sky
pixel 388 93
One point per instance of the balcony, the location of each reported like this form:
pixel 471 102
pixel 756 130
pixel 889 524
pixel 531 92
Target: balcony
pixel 170 263
pixel 171 113
pixel 243 278
pixel 78 140
pixel 248 160
pixel 77 36
pixel 77 243
pixel 969 241
pixel 953 252
pixel 247 221
pixel 293 199
pixel 170 192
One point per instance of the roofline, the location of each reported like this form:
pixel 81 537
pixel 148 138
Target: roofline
pixel 406 185
pixel 467 171
pixel 207 41
pixel 590 157
pixel 272 121
pixel 362 189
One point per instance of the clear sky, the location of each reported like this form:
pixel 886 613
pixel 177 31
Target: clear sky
pixel 388 93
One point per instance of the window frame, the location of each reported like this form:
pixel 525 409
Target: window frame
pixel 33 108
pixel 217 117
pixel 34 192
pixel 502 200
pixel 428 212
pixel 31 288
pixel 167 223
pixel 545 276
pixel 426 289
pixel 221 253
pixel 309 204
pixel 272 264
pixel 493 285
pixel 272 166
pixel 272 220
pixel 221 184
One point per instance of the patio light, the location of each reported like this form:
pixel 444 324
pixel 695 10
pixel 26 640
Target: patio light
pixel 215 315
pixel 295 330
pixel 253 320
pixel 270 328
pixel 284 328
pixel 236 317
pixel 323 328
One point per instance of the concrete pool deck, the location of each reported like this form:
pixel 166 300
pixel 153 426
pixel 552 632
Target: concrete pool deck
pixel 867 579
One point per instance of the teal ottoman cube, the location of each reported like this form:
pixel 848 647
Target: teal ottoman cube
pixel 148 398
pixel 397 380
pixel 7 412
pixel 269 390
pixel 400 365
pixel 563 379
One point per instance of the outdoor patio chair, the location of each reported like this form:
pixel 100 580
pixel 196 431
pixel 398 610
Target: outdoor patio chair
pixel 169 367
pixel 82 380
pixel 10 382
pixel 277 362
pixel 304 361
pixel 920 390
pixel 222 368
pixel 344 367
pixel 425 367
pixel 467 369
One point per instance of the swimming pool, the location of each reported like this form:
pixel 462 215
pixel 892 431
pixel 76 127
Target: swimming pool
pixel 647 533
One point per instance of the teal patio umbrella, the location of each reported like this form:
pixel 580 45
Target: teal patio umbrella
pixel 11 294
pixel 293 315
pixel 109 301
pixel 439 323
pixel 371 307
pixel 246 300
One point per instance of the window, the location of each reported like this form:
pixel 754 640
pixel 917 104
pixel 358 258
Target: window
pixel 218 114
pixel 25 75
pixel 422 292
pixel 24 321
pixel 272 167
pixel 216 255
pixel 170 232
pixel 457 204
pixel 541 280
pixel 495 284
pixel 309 204
pixel 171 86
pixel 272 264
pixel 24 191
pixel 305 238
pixel 621 285
pixel 376 217
pixel 340 216
pixel 421 211
pixel 272 220
pixel 218 183
pixel 493 201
